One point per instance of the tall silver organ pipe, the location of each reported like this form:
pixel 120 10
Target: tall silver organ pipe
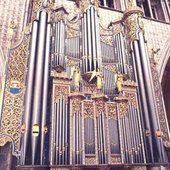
pixel 37 96
pixel 29 91
pixel 151 96
pixel 142 97
pixel 91 43
pixel 45 92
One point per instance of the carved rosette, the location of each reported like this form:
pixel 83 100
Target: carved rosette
pixel 112 111
pixel 88 109
pixel 13 103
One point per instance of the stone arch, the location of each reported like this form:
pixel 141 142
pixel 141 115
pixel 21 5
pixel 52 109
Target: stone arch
pixel 164 57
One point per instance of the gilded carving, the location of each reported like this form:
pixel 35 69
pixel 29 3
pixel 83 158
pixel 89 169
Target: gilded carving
pixel 88 109
pixel 110 67
pixel 100 106
pixel 85 4
pixel 112 111
pixel 61 90
pixel 12 110
pixel 115 160
pixel 132 98
pixel 123 109
pixel 90 161
pixel 132 20
pixel 159 100
pixel 70 61
pixel 76 105
pixel 72 33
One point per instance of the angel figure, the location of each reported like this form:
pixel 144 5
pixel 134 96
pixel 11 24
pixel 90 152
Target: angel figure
pixel 97 74
pixel 119 81
pixel 75 70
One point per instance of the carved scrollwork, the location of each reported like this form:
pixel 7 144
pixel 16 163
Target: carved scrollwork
pixel 13 102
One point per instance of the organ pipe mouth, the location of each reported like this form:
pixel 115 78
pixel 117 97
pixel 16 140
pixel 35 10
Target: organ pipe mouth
pixel 45 129
pixel 167 144
pixel 23 128
pixel 35 131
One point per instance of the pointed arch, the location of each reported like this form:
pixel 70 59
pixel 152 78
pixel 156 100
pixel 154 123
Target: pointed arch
pixel 164 57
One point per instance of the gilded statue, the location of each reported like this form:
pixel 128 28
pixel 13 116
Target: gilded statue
pixel 98 75
pixel 119 82
pixel 76 72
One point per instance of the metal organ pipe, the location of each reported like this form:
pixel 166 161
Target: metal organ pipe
pixel 37 97
pixel 29 91
pixel 151 94
pixel 143 97
pixel 45 91
pixel 91 41
pixel 93 37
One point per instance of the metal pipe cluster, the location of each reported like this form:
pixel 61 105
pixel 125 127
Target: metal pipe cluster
pixel 35 108
pixel 146 96
pixel 89 136
pixel 77 141
pixel 59 36
pixel 91 48
pixel 60 133
pixel 102 139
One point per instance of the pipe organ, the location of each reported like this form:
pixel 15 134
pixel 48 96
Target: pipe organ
pixel 89 98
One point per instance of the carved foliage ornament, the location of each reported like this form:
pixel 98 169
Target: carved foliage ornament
pixel 88 109
pixel 76 105
pixel 132 98
pixel 13 102
pixel 133 25
pixel 159 100
pixel 123 109
pixel 100 106
pixel 84 4
pixel 61 90
pixel 112 111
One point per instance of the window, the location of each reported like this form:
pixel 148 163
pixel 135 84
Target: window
pixel 111 4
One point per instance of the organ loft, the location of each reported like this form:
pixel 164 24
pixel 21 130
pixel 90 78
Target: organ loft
pixel 83 91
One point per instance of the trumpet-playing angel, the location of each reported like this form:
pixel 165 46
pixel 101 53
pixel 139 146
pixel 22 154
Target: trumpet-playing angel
pixel 76 72
pixel 97 74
